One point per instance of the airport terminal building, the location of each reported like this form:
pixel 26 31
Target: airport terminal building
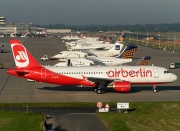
pixel 17 30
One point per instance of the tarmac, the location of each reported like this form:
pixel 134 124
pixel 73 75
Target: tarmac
pixel 15 90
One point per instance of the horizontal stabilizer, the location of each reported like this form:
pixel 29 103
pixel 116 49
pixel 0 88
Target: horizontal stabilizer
pixel 16 72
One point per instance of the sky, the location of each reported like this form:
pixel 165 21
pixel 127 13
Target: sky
pixel 87 12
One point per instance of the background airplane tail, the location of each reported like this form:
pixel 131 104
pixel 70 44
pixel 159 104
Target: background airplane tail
pixel 117 47
pixel 143 61
pixel 122 37
pixel 128 52
pixel 22 57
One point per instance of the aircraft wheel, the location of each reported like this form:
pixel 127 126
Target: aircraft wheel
pixel 154 88
pixel 99 91
pixel 95 89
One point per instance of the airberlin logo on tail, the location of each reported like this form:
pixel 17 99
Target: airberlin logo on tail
pixel 20 55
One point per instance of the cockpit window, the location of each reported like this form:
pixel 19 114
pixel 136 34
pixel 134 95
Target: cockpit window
pixel 165 72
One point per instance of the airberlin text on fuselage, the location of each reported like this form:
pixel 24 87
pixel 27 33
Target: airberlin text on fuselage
pixel 141 72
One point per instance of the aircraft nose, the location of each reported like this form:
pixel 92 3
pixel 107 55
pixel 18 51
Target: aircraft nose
pixel 173 77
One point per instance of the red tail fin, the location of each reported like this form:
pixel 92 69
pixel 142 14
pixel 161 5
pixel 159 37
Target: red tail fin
pixel 22 57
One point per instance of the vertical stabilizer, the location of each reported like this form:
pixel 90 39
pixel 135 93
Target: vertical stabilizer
pixel 128 52
pixel 117 47
pixel 122 37
pixel 143 61
pixel 22 57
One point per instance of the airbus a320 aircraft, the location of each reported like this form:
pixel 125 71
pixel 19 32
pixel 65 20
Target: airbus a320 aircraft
pixel 120 78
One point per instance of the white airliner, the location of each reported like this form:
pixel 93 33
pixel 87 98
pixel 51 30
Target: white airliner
pixel 84 62
pixel 86 40
pixel 83 40
pixel 114 51
pixel 71 37
pixel 120 78
pixel 124 57
pixel 88 44
pixel 69 54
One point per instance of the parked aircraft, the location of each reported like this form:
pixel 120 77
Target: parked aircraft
pixel 71 37
pixel 75 62
pixel 89 40
pixel 114 51
pixel 120 78
pixel 124 57
pixel 91 44
pixel 69 54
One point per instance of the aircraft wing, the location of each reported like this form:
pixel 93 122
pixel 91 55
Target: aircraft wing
pixel 88 52
pixel 95 60
pixel 96 48
pixel 103 81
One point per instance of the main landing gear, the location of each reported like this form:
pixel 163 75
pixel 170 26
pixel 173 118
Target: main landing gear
pixel 97 90
pixel 154 88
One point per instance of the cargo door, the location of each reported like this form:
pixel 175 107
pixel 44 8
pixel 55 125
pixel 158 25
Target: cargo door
pixel 156 73
pixel 43 73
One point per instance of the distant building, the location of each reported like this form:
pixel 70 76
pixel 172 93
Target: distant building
pixel 13 30
pixel 21 29
pixel 56 31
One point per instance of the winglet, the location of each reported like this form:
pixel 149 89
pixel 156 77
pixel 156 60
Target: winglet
pixel 143 61
pixel 22 57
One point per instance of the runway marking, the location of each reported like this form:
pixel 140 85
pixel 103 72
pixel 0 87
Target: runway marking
pixel 4 84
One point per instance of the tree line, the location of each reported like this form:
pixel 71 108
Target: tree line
pixel 174 27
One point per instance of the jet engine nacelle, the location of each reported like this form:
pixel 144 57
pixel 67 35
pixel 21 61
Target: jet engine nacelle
pixel 122 86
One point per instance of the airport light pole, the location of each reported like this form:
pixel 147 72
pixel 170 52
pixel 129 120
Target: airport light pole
pixel 159 41
pixel 137 37
pixel 174 41
pixel 147 39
